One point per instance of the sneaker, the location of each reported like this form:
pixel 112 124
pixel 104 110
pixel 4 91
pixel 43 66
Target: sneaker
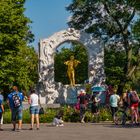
pixel 137 124
pixel 37 128
pixel 14 129
pixel 1 129
pixel 82 121
pixel 18 130
pixel 61 124
pixel 30 128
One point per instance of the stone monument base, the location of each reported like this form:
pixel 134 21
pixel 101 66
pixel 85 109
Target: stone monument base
pixel 65 95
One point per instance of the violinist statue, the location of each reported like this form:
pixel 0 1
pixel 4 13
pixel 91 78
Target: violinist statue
pixel 72 64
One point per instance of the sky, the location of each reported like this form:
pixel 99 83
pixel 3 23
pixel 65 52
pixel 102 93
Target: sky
pixel 48 17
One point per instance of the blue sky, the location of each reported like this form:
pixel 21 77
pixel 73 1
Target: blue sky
pixel 48 16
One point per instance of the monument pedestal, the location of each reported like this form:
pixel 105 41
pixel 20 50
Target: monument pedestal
pixel 72 93
pixel 64 94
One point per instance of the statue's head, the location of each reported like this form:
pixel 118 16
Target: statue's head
pixel 72 57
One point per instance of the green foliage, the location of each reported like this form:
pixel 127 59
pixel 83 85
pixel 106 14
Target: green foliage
pixel 48 116
pixel 7 117
pixel 105 114
pixel 81 71
pixel 117 24
pixel 18 60
pixel 114 62
pixel 70 115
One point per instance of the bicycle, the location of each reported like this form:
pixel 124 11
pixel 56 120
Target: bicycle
pixel 121 116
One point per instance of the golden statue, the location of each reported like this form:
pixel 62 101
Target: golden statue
pixel 72 63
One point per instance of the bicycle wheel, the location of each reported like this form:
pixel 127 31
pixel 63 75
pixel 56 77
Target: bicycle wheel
pixel 120 117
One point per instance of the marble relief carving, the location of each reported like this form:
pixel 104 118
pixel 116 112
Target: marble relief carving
pixel 57 92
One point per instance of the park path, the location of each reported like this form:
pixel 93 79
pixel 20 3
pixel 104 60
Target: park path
pixel 73 131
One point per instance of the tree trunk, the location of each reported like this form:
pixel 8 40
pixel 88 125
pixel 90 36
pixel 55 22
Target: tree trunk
pixel 127 67
pixel 121 87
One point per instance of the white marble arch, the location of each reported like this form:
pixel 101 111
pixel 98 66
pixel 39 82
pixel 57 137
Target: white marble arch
pixel 47 49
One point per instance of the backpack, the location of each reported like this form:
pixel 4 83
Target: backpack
pixel 16 100
pixel 134 98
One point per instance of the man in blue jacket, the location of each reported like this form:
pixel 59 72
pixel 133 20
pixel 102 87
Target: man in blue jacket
pixel 15 99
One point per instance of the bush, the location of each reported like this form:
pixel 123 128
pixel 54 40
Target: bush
pixel 69 115
pixel 48 116
pixel 6 107
pixel 7 117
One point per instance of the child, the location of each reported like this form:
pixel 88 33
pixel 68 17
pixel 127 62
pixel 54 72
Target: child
pixel 1 111
pixel 57 121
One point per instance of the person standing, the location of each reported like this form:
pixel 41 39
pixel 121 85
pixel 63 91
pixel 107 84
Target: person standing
pixel 114 99
pixel 133 101
pixel 34 109
pixel 1 98
pixel 82 100
pixel 95 107
pixel 1 111
pixel 15 99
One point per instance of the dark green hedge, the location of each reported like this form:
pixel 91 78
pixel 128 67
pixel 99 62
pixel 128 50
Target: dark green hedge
pixel 70 115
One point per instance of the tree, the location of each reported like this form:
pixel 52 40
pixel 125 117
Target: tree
pixel 18 61
pixel 114 21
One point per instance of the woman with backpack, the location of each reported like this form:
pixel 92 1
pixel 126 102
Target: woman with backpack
pixel 133 101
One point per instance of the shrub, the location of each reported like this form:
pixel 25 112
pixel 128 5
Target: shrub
pixel 7 117
pixel 69 115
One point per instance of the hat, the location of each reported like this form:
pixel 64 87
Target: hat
pixel 83 91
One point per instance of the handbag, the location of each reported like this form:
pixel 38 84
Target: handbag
pixel 41 111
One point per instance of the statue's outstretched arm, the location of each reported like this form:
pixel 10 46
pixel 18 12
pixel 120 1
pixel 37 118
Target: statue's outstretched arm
pixel 66 63
pixel 77 62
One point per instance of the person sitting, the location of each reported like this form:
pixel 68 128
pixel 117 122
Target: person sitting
pixel 57 121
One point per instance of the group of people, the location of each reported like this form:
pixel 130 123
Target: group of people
pixel 83 101
pixel 128 100
pixel 14 100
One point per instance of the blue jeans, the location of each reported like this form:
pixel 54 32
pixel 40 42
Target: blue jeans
pixel 16 113
pixel 82 111
pixel 34 110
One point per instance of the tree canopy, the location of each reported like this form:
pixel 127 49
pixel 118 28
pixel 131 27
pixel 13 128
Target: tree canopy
pixel 116 22
pixel 18 60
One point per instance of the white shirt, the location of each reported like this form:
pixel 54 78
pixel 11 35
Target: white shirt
pixel 33 100
pixel 1 97
pixel 114 100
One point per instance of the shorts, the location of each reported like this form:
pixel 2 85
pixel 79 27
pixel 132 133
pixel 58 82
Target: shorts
pixel 16 113
pixel 114 110
pixel 135 105
pixel 94 108
pixel 34 110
